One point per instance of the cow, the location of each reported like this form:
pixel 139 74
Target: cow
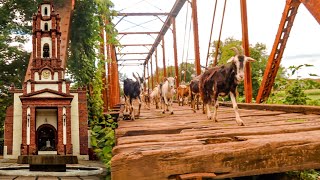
pixel 167 93
pixel 145 98
pixel 182 93
pixel 156 95
pixel 221 81
pixel 194 92
pixel 132 90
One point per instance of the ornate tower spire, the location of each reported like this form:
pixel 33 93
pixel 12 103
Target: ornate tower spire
pixel 46 44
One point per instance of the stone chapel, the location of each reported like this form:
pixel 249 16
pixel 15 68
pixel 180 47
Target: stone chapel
pixel 46 117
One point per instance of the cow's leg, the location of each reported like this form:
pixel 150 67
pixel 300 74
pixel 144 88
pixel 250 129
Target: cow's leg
pixel 171 108
pixel 208 106
pixel 126 104
pixel 192 102
pixel 149 102
pixel 235 108
pixel 165 103
pixel 131 109
pixel 215 109
pixel 157 103
pixel 197 102
pixel 139 106
pixel 162 104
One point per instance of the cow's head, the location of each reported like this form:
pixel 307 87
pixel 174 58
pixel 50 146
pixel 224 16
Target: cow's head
pixel 140 80
pixel 171 81
pixel 240 61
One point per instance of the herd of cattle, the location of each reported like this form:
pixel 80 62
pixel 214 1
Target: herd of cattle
pixel 214 82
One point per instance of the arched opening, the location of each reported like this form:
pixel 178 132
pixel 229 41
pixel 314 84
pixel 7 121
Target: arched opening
pixel 46 135
pixel 46 50
pixel 46 11
pixel 46 27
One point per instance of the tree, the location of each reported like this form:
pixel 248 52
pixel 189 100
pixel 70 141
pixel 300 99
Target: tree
pixel 186 71
pixel 15 26
pixel 86 67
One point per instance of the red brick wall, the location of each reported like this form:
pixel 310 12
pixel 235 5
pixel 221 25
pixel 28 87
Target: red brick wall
pixel 8 133
pixel 83 122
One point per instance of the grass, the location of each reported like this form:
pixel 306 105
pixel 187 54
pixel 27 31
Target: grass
pixel 312 94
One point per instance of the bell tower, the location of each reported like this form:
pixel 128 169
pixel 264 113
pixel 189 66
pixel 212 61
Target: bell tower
pixel 47 116
pixel 46 63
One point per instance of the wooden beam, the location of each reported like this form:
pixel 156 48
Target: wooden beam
pixel 273 142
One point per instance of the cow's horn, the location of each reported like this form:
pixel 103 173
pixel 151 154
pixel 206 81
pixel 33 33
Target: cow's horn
pixel 235 50
pixel 135 77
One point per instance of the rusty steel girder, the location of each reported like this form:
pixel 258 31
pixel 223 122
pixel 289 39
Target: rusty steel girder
pixel 280 42
pixel 313 7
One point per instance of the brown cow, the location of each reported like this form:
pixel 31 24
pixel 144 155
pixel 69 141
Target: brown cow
pixel 182 93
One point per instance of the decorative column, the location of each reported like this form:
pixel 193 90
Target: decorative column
pixel 68 130
pixel 60 145
pixel 64 129
pixel 28 130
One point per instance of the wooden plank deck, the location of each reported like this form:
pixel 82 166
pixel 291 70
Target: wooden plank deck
pixel 161 146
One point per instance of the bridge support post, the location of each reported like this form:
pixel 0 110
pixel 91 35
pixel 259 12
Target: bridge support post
pixel 245 44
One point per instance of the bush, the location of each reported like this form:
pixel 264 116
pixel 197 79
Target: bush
pixel 295 95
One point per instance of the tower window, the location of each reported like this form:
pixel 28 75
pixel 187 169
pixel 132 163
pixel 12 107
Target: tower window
pixel 46 11
pixel 46 50
pixel 46 26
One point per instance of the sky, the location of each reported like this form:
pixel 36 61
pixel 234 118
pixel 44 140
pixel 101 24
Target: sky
pixel 263 21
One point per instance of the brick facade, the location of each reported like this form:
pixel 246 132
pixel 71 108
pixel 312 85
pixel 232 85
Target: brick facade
pixel 41 97
pixel 83 122
pixel 8 135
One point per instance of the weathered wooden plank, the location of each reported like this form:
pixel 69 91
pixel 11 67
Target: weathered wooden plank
pixel 171 146
pixel 256 155
pixel 278 107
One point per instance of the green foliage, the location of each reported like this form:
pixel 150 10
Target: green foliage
pixel 304 175
pixel 86 67
pixel 84 41
pixel 292 91
pixel 15 18
pixel 95 103
pixel 103 138
pixel 188 70
pixel 295 94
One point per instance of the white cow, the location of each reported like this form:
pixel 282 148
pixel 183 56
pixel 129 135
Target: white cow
pixel 167 93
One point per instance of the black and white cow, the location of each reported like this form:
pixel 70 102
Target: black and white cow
pixel 221 81
pixel 132 90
